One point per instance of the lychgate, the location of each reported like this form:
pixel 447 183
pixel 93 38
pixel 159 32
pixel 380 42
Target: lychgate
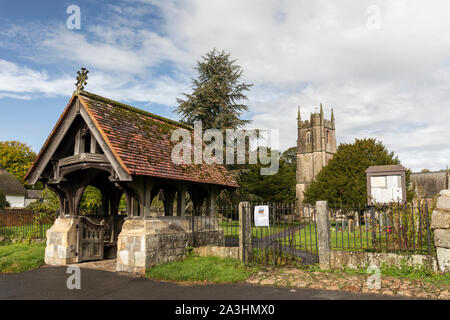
pixel 120 150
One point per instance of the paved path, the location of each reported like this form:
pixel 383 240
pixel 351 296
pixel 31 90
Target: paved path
pixel 50 283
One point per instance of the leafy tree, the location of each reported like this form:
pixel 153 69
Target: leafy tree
pixel 290 156
pixel 217 94
pixel 279 187
pixel 49 202
pixel 343 180
pixel 3 202
pixel 91 201
pixel 16 157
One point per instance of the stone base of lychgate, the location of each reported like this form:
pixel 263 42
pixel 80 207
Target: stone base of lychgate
pixel 440 222
pixel 61 246
pixel 149 242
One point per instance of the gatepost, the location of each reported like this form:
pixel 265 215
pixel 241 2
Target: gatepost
pixel 323 234
pixel 245 232
pixel 440 223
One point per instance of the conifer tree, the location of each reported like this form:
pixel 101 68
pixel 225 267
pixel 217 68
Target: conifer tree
pixel 217 94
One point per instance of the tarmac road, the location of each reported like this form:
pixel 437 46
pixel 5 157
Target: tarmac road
pixel 50 283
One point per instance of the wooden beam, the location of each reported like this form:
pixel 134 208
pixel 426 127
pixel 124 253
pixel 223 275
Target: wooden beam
pixel 53 144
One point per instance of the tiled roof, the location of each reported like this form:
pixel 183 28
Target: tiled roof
pixel 142 141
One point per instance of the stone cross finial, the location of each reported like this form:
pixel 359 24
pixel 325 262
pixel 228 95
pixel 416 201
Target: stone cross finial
pixel 82 78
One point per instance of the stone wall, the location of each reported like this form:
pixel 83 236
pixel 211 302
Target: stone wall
pixel 61 246
pixel 215 251
pixel 440 222
pixel 145 243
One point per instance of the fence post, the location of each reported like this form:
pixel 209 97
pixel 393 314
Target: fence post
pixel 323 234
pixel 245 232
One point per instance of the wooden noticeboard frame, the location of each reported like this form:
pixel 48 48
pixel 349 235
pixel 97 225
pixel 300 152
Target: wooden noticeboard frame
pixel 389 170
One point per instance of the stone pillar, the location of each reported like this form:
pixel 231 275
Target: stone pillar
pixel 211 201
pixel 440 222
pixel 323 234
pixel 245 232
pixel 62 242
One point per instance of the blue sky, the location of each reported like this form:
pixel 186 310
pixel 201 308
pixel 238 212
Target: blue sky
pixel 385 72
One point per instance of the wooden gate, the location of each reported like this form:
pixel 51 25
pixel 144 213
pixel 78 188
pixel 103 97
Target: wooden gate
pixel 90 240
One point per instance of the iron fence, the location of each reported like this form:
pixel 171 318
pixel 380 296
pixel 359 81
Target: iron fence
pixel 389 228
pixel 19 224
pixel 291 235
pixel 218 228
pixel 289 238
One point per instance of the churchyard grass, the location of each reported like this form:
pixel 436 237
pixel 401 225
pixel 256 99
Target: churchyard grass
pixel 20 257
pixel 231 229
pixel 195 268
pixel 359 240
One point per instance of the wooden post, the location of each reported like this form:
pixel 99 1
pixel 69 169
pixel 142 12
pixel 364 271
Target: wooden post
pixel 323 235
pixel 245 232
pixel 211 200
pixel 181 200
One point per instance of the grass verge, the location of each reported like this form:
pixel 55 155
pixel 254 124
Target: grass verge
pixel 210 269
pixel 20 257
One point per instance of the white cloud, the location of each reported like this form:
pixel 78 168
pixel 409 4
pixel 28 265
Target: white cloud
pixel 17 81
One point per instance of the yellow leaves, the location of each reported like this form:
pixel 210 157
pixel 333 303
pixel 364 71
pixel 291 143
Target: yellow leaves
pixel 16 157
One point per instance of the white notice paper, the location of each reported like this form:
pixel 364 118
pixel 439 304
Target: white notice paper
pixel 261 216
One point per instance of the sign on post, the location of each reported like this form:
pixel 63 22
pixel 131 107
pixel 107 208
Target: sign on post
pixel 261 216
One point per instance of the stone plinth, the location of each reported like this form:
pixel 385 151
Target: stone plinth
pixel 62 242
pixel 145 243
pixel 440 222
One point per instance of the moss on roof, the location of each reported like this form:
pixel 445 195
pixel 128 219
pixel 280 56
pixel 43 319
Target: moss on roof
pixel 131 108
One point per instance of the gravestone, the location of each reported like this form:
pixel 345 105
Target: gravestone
pixel 357 218
pixel 344 225
pixel 351 226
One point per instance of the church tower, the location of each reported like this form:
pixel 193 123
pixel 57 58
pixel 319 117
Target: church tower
pixel 316 145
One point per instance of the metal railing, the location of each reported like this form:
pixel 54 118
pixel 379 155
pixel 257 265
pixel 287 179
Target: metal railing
pixel 290 237
pixel 220 227
pixel 389 228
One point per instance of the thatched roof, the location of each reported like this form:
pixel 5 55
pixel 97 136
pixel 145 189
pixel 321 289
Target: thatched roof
pixel 9 184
